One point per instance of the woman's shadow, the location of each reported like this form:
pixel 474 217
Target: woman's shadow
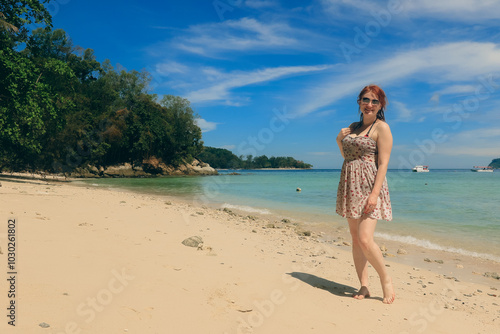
pixel 324 284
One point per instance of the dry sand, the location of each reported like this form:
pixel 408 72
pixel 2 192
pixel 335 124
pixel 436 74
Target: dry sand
pixel 91 260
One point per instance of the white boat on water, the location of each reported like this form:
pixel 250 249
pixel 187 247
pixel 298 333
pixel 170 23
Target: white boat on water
pixel 420 169
pixel 482 169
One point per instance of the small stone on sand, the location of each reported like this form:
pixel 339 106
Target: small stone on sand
pixel 492 275
pixel 192 241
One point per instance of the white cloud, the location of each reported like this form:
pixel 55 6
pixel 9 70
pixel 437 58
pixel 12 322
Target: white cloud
pixel 436 64
pixel 237 35
pixel 226 82
pixel 454 10
pixel 457 150
pixel 338 8
pixel 452 90
pixel 325 112
pixel 205 125
pixel 477 143
pixel 247 35
pixel 457 89
pixel 404 114
pixel 484 133
pixel 435 98
pixel 472 11
pixel 169 67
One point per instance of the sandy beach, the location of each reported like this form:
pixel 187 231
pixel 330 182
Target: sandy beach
pixel 93 260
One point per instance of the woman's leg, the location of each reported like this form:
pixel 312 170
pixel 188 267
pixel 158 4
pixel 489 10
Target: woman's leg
pixel 360 261
pixel 366 229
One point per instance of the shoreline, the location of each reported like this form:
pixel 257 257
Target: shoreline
pixel 251 275
pixel 284 168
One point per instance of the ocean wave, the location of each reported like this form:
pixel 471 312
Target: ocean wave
pixel 430 245
pixel 246 208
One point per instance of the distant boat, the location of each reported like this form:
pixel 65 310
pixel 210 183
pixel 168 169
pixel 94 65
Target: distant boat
pixel 420 169
pixel 482 169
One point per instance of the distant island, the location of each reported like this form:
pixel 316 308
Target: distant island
pixel 221 158
pixel 495 163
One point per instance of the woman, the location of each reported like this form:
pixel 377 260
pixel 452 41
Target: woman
pixel 363 195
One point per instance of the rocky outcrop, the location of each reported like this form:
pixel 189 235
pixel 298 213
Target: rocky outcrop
pixel 200 168
pixel 151 167
pixel 125 170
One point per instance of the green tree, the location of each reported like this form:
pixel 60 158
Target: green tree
pixel 29 108
pixel 220 158
pixel 261 162
pixel 20 14
pixel 223 159
pixel 186 135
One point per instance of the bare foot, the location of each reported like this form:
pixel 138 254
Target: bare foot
pixel 362 293
pixel 389 294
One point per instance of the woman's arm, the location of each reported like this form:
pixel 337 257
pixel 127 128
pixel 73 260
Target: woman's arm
pixel 384 144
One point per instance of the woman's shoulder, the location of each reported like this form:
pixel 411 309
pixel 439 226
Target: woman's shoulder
pixel 382 125
pixel 383 131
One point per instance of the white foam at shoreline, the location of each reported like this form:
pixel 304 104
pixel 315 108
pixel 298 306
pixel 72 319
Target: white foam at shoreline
pixel 246 208
pixel 430 245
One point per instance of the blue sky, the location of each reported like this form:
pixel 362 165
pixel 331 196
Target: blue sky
pixel 281 78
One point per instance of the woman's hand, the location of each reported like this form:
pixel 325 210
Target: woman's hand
pixel 371 203
pixel 343 132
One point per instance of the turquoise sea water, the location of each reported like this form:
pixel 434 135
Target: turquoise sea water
pixel 456 210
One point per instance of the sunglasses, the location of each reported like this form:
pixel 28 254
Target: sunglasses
pixel 366 100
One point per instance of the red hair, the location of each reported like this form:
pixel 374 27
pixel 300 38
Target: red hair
pixel 379 92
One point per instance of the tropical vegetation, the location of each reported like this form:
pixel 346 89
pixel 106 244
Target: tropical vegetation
pixel 60 108
pixel 224 159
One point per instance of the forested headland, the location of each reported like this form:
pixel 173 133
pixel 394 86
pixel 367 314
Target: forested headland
pixel 63 111
pixel 495 163
pixel 224 159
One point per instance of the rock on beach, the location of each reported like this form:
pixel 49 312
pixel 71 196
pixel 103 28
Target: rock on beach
pixel 192 241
